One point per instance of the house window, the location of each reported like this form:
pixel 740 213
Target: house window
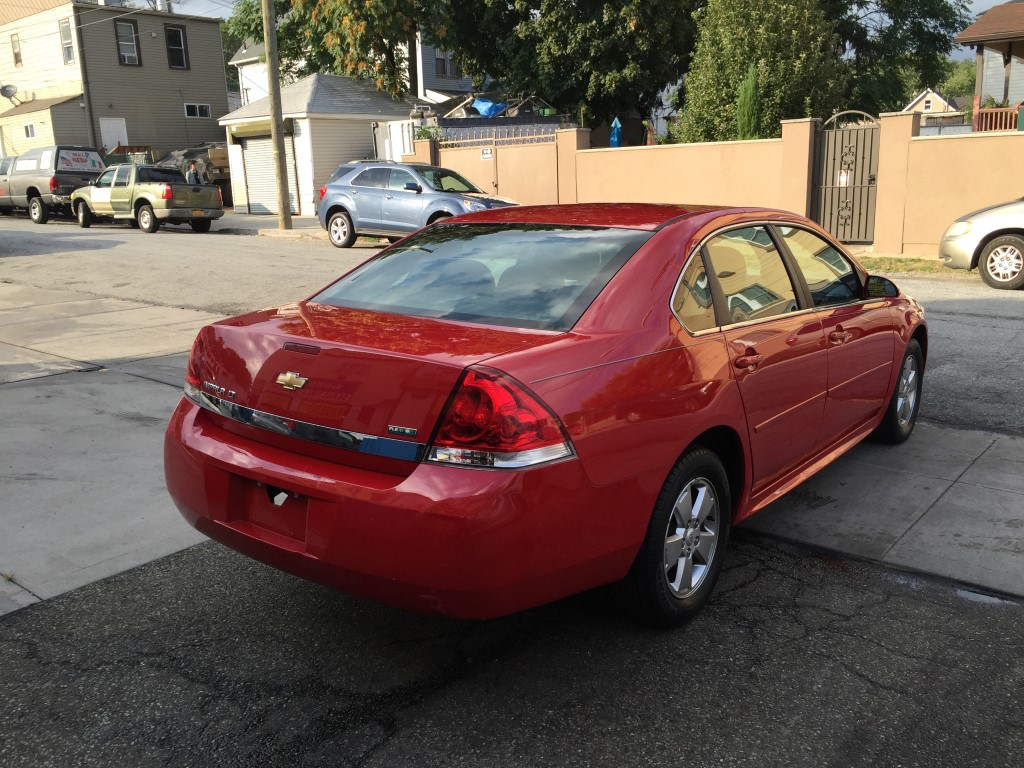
pixel 197 110
pixel 177 47
pixel 456 70
pixel 30 130
pixel 440 63
pixel 927 105
pixel 127 34
pixel 65 41
pixel 16 48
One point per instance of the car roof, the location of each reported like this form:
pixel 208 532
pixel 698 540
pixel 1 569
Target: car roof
pixel 648 216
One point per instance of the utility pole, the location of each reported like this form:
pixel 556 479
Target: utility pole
pixel 284 208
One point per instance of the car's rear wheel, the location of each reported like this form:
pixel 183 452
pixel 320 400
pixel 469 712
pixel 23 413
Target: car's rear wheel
pixel 84 215
pixel 340 230
pixel 905 403
pixel 1002 262
pixel 200 225
pixel 148 222
pixel 681 555
pixel 37 211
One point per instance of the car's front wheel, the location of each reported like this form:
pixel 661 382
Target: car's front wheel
pixel 905 403
pixel 148 222
pixel 681 555
pixel 1002 262
pixel 84 215
pixel 340 230
pixel 37 211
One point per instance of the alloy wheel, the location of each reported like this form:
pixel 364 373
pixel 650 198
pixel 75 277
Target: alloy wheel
pixel 906 392
pixel 691 537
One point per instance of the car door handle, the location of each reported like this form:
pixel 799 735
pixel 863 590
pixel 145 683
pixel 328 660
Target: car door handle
pixel 839 336
pixel 749 361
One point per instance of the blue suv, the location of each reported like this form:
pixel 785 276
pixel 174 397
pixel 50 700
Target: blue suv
pixel 394 199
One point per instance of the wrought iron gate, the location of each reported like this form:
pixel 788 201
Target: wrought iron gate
pixel 846 164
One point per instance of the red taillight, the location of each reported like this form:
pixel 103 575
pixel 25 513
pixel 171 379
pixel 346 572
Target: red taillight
pixel 220 195
pixel 53 183
pixel 167 192
pixel 193 384
pixel 494 421
pixel 323 191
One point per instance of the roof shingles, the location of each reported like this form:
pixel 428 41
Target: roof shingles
pixel 999 23
pixel 327 95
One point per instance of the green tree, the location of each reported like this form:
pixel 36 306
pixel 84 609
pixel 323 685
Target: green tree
pixel 748 107
pixel 230 43
pixel 793 49
pixel 959 80
pixel 881 37
pixel 600 57
pixel 299 53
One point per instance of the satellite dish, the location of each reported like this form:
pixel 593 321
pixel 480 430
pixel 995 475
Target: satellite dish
pixel 8 91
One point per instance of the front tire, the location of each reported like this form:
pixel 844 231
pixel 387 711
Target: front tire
pixel 37 211
pixel 905 403
pixel 340 230
pixel 1002 263
pixel 200 225
pixel 681 556
pixel 84 215
pixel 148 222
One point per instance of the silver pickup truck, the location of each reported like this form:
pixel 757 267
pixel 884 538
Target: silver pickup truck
pixel 43 179
pixel 148 196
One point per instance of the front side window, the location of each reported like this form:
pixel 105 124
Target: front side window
pixel 106 178
pixel 197 110
pixel 540 276
pixel 372 177
pixel 444 180
pixel 400 178
pixel 177 47
pixel 751 274
pixel 692 302
pixel 127 35
pixel 67 46
pixel 121 177
pixel 830 275
pixel 16 49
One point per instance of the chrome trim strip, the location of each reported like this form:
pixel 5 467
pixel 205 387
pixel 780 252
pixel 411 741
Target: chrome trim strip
pixel 303 430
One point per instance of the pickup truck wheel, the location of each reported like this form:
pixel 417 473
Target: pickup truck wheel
pixel 84 215
pixel 147 221
pixel 340 230
pixel 37 211
pixel 200 225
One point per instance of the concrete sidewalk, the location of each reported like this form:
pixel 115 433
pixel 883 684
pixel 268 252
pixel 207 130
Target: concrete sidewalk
pixel 89 383
pixel 232 223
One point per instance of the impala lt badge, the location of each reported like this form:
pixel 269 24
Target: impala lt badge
pixel 291 380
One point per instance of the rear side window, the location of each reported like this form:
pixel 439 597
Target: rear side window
pixel 830 275
pixel 516 275
pixel 162 175
pixel 752 275
pixel 372 177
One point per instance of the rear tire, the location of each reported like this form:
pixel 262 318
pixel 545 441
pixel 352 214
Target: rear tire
pixel 905 403
pixel 200 225
pixel 148 222
pixel 681 556
pixel 84 215
pixel 37 211
pixel 340 230
pixel 1002 263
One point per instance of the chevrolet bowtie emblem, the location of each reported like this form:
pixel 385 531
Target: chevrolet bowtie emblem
pixel 291 380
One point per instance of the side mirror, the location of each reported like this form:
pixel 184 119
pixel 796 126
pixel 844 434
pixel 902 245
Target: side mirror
pixel 92 182
pixel 412 186
pixel 880 288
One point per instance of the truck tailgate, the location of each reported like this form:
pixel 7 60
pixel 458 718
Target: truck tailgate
pixel 194 196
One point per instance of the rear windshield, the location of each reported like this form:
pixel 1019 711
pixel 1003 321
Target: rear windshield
pixel 162 175
pixel 515 275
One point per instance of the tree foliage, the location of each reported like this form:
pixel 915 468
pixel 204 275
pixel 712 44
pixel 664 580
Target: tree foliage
pixel 748 107
pixel 959 80
pixel 882 37
pixel 298 53
pixel 793 48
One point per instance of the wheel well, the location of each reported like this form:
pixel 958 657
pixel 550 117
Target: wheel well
pixel 439 215
pixel 32 192
pixel 989 238
pixel 921 335
pixel 139 203
pixel 337 209
pixel 725 443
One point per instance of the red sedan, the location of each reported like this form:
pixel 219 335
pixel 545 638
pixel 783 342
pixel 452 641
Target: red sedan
pixel 520 404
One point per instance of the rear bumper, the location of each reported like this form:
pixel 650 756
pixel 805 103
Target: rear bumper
pixel 187 214
pixel 451 540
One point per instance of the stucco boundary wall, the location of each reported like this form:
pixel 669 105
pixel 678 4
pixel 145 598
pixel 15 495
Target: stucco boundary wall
pixel 923 182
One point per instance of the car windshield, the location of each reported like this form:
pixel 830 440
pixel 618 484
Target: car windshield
pixel 539 276
pixel 444 180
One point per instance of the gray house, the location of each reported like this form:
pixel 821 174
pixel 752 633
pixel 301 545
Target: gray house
pixel 328 120
pixel 103 74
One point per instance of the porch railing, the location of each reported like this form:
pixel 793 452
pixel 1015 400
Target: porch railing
pixel 997 119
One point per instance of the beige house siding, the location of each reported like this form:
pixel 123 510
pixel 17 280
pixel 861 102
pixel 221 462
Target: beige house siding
pixel 12 131
pixel 43 73
pixel 151 98
pixel 337 142
pixel 69 123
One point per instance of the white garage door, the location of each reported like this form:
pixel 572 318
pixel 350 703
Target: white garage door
pixel 258 159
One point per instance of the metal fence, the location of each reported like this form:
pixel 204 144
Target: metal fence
pixel 489 136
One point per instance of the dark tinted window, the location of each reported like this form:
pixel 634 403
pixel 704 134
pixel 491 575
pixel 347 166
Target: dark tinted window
pixel 162 175
pixel 372 177
pixel 751 274
pixel 830 276
pixel 518 275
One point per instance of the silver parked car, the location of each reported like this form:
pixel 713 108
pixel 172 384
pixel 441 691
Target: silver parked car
pixel 992 240
pixel 394 199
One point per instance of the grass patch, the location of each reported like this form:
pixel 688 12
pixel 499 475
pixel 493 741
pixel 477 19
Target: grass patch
pixel 889 264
